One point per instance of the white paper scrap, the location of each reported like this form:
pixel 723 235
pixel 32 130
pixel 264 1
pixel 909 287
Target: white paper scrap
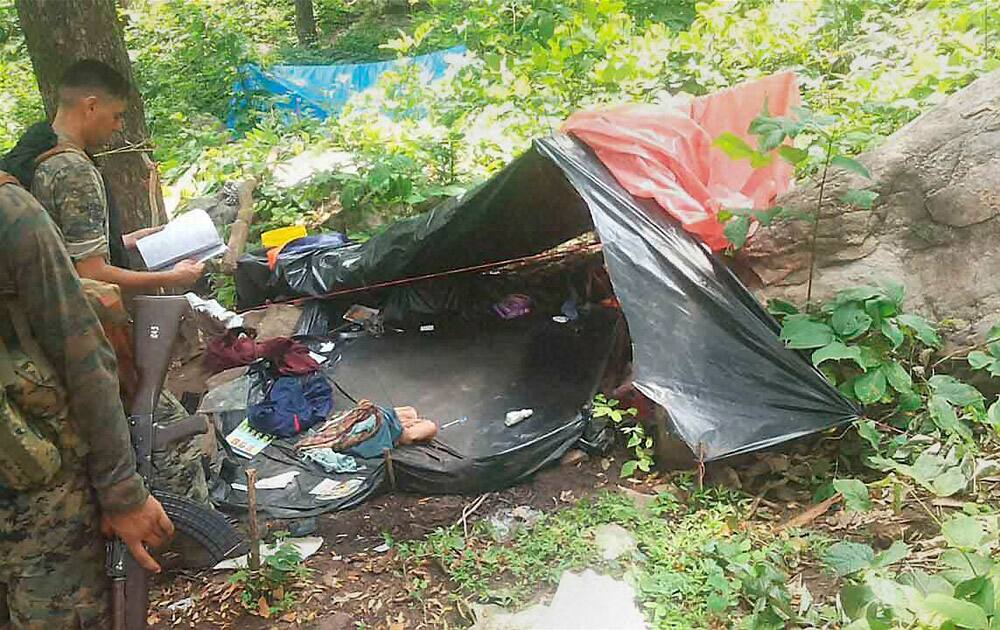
pixel 306 546
pixel 318 358
pixel 276 482
pixel 330 489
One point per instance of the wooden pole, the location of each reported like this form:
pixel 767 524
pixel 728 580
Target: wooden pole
pixel 387 453
pixel 254 563
pixel 240 230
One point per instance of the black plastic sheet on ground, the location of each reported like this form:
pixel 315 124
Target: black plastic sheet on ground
pixel 704 348
pixel 295 500
pixel 467 378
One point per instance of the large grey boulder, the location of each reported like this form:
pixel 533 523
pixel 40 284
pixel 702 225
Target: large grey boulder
pixel 934 227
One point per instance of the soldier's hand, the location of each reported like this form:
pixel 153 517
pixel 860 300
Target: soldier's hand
pixel 129 240
pixel 145 525
pixel 187 272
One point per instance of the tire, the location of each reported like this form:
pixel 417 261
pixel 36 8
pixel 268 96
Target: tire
pixel 208 528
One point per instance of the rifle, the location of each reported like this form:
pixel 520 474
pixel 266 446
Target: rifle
pixel 157 320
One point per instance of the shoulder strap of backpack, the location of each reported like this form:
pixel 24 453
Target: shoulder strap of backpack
pixel 62 147
pixel 25 338
pixel 7 376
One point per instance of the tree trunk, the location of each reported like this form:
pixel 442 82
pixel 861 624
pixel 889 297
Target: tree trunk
pixel 61 32
pixel 305 22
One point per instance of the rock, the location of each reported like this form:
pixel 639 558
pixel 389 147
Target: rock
pixel 573 457
pixel 336 621
pixel 666 488
pixel 641 500
pixel 585 601
pixel 934 227
pixel 613 541
pixel 589 601
pixel 669 451
pixel 725 476
pixel 507 521
pixel 492 617
pixel 277 320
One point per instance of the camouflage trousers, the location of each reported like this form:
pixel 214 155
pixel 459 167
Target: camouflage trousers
pixel 179 468
pixel 52 556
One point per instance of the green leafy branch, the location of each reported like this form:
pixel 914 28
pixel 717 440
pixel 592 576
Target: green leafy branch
pixel 820 152
pixel 640 443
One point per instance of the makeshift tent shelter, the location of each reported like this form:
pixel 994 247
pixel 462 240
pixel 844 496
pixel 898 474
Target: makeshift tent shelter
pixel 703 347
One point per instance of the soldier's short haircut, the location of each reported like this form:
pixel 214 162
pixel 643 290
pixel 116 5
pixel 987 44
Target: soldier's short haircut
pixel 90 74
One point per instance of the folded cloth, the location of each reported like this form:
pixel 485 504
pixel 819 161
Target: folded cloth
pixel 237 347
pixel 364 431
pixel 331 461
pixel 293 405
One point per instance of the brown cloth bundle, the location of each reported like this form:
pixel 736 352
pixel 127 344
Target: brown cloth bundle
pixel 336 433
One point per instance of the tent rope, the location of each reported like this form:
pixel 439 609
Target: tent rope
pixel 543 257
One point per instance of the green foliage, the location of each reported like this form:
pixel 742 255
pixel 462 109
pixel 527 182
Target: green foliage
pixel 640 443
pixel 855 494
pixel 269 591
pixel 740 572
pixel 20 103
pixel 823 148
pixel 960 593
pixel 931 424
pixel 693 569
pixel 866 66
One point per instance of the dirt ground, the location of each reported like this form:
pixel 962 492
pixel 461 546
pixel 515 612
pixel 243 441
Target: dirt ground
pixel 354 585
pixel 351 582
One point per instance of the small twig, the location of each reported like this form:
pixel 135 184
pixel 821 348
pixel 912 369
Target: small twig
pixel 254 563
pixel 753 507
pixel 142 147
pixel 757 500
pixel 888 427
pixel 927 509
pixel 815 227
pixel 957 354
pixel 468 511
pixel 811 514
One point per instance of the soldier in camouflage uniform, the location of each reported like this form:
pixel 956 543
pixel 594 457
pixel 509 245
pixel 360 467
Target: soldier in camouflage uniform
pixel 68 184
pixel 51 553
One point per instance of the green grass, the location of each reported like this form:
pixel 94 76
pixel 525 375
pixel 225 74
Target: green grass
pixel 694 567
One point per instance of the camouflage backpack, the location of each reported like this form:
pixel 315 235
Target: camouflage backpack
pixel 32 404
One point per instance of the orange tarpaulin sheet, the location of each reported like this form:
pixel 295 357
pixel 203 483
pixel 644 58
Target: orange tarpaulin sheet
pixel 665 153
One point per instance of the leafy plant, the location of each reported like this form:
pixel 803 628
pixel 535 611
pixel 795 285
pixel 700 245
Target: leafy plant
pixel 961 593
pixel 694 570
pixel 823 149
pixel 740 572
pixel 270 591
pixel 882 357
pixel 640 443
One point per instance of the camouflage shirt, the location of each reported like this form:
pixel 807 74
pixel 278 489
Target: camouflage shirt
pixel 33 260
pixel 70 187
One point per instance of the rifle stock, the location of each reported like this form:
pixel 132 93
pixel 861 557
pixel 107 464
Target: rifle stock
pixel 157 321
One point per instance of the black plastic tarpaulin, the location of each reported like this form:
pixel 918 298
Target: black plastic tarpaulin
pixel 468 377
pixel 703 347
pixel 526 208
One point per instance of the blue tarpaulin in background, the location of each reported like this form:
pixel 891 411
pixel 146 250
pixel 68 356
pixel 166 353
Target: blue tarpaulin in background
pixel 322 90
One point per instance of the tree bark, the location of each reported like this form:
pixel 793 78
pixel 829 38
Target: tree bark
pixel 305 22
pixel 61 32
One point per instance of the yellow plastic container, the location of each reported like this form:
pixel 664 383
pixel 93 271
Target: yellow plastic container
pixel 280 236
